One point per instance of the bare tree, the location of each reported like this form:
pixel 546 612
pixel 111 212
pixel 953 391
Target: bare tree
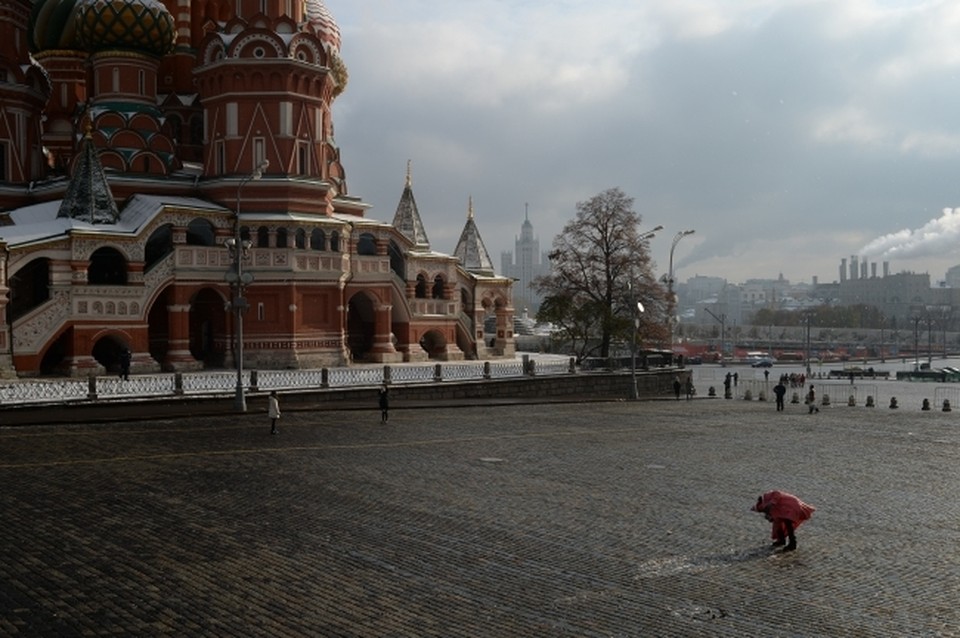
pixel 601 268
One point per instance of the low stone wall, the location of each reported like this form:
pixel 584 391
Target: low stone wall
pixel 532 389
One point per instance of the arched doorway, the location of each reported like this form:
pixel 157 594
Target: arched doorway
pixel 434 344
pixel 107 352
pixel 158 327
pixel 208 328
pixel 55 355
pixel 361 322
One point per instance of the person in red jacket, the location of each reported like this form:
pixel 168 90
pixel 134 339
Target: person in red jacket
pixel 786 512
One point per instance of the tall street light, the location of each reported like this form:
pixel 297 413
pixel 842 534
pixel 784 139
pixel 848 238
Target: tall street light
pixel 636 329
pixel 671 301
pixel 238 280
pixel 638 307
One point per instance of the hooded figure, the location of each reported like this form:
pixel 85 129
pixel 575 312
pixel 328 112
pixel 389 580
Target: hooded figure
pixel 786 512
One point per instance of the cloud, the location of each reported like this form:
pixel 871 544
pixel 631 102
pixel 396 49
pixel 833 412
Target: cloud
pixel 757 122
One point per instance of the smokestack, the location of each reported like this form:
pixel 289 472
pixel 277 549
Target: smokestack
pixel 886 268
pixel 873 270
pixel 843 270
pixel 854 269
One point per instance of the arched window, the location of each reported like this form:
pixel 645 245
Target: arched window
pixel 300 238
pixel 263 237
pixel 107 267
pixel 281 238
pixel 29 287
pixel 421 289
pixel 367 245
pixel 335 241
pixel 200 233
pixel 159 245
pixel 244 233
pixel 318 239
pixel 397 264
pixel 437 292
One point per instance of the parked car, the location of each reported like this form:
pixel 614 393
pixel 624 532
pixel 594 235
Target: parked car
pixel 762 363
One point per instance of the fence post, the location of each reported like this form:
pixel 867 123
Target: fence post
pixel 573 365
pixel 387 375
pixel 526 364
pixel 324 377
pixel 178 383
pixel 92 387
pixel 486 369
pixel 254 381
pixel 438 372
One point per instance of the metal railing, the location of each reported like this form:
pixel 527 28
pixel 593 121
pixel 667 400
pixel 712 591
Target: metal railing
pixel 40 391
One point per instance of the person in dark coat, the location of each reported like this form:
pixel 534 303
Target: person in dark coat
pixel 125 358
pixel 780 392
pixel 677 386
pixel 384 400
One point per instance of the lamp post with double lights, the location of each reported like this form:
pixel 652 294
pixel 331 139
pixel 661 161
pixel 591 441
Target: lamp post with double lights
pixel 638 308
pixel 671 301
pixel 238 280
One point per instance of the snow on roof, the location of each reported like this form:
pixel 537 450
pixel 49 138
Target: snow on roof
pixel 39 222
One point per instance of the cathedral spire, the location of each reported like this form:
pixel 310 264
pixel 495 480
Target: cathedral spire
pixel 470 250
pixel 407 218
pixel 88 197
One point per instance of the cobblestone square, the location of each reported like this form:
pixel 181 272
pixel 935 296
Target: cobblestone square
pixel 592 519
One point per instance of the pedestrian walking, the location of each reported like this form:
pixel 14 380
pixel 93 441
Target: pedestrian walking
pixel 273 411
pixel 677 387
pixel 786 512
pixel 384 401
pixel 812 400
pixel 780 391
pixel 690 389
pixel 125 358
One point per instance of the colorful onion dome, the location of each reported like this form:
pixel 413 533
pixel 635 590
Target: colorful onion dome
pixel 139 25
pixel 322 23
pixel 52 26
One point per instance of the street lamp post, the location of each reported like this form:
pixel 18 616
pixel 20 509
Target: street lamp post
pixel 633 358
pixel 238 279
pixel 671 301
pixel 638 307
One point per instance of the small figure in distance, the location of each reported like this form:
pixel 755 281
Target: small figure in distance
pixel 273 410
pixel 780 392
pixel 384 401
pixel 786 512
pixel 812 401
pixel 125 358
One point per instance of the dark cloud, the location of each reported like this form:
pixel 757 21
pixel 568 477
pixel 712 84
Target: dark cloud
pixel 788 135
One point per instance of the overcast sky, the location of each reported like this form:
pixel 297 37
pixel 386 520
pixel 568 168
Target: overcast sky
pixel 788 133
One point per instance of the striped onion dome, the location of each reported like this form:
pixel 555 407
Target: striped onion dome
pixel 138 25
pixel 323 24
pixel 53 25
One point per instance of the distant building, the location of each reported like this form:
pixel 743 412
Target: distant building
pixel 528 264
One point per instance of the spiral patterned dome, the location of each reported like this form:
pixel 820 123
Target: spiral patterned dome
pixel 139 25
pixel 53 26
pixel 322 23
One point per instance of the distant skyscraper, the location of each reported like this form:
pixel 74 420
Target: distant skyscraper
pixel 530 263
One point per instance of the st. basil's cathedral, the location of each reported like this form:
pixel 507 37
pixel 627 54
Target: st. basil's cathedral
pixel 138 138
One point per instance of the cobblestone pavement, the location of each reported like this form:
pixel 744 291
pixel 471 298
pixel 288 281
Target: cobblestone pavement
pixel 604 519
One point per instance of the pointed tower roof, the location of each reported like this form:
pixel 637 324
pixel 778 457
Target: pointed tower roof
pixel 88 197
pixel 470 250
pixel 407 218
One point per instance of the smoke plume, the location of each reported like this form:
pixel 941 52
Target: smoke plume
pixel 936 237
